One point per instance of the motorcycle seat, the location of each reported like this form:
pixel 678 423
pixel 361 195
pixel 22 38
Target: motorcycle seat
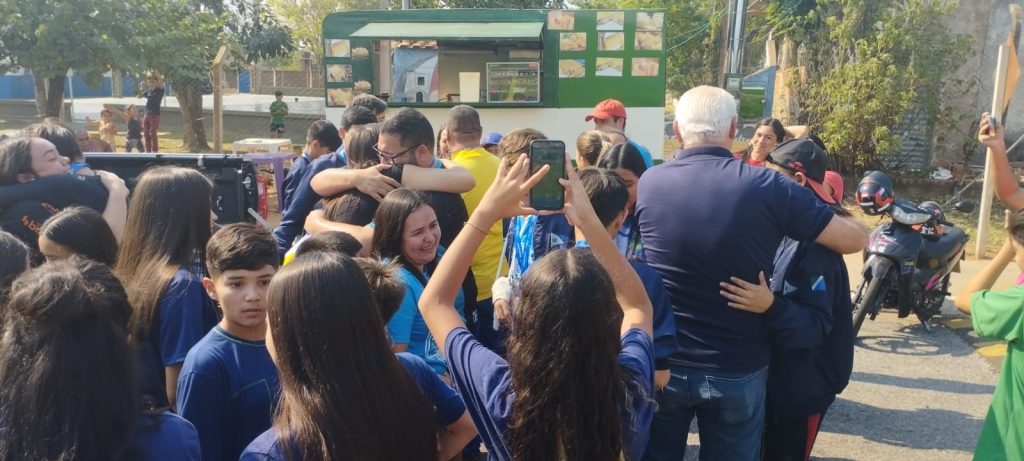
pixel 947 245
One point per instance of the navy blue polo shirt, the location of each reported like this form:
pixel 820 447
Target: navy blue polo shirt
pixel 704 217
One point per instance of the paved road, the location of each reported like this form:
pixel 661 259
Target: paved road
pixel 914 395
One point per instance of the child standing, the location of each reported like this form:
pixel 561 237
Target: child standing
pixel 1000 315
pixel 105 125
pixel 278 110
pixel 228 385
pixel 154 95
pixel 133 137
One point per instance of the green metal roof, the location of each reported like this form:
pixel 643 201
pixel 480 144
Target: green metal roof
pixel 452 30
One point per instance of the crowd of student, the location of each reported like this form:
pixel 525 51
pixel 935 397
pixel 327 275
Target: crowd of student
pixel 411 305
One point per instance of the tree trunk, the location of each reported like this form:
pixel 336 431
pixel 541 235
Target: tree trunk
pixel 190 100
pixel 49 94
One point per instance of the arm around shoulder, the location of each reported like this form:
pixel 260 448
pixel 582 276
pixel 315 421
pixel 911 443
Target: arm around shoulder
pixel 844 235
pixel 455 179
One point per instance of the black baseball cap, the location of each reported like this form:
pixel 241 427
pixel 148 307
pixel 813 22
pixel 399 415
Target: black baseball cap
pixel 803 156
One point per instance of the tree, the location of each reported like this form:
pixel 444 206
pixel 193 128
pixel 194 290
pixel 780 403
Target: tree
pixel 692 37
pixel 872 66
pixel 180 39
pixel 51 37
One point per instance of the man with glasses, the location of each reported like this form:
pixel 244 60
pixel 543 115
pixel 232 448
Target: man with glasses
pixel 304 198
pixel 406 140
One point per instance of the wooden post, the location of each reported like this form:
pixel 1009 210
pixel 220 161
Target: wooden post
pixel 998 96
pixel 218 100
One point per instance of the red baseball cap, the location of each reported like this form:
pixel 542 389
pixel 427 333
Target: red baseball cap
pixel 607 109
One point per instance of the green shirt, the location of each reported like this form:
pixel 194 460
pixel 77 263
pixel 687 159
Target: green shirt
pixel 278 109
pixel 1000 315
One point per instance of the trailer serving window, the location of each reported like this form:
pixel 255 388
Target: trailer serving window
pixel 452 62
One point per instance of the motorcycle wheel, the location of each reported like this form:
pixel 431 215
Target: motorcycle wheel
pixel 867 301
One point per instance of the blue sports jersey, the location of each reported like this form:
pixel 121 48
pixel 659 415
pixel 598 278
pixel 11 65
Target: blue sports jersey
pixel 228 390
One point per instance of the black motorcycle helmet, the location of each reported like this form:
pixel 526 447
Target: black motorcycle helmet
pixel 935 209
pixel 874 193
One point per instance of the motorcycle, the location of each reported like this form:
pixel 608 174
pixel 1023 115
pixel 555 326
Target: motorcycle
pixel 908 260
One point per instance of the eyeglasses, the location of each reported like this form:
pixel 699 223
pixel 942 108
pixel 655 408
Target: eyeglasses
pixel 391 157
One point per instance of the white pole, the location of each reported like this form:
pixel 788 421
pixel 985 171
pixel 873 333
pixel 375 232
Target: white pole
pixel 71 92
pixel 998 95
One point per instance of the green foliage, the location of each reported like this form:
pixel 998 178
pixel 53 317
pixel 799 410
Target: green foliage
pixel 871 66
pixel 692 37
pixel 51 37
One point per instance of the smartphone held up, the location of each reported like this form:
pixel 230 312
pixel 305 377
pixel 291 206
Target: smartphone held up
pixel 548 194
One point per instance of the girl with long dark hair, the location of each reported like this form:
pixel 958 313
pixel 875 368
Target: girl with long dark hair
pixel 78 230
pixel 627 162
pixel 65 326
pixel 345 394
pixel 161 263
pixel 14 261
pixel 767 133
pixel 407 231
pixel 578 381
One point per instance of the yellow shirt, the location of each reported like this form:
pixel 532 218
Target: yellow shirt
pixel 483 166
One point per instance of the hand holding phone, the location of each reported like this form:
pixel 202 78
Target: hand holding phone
pixel 548 194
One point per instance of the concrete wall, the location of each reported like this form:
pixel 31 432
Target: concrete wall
pixel 988 21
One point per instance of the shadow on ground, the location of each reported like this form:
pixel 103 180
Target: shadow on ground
pixel 941 385
pixel 912 340
pixel 926 428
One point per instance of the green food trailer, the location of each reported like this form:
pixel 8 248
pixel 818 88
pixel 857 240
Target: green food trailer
pixel 543 69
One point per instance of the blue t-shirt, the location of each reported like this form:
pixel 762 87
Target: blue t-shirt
pixel 185 314
pixel 165 436
pixel 407 325
pixel 228 390
pixel 447 404
pixel 291 180
pixel 303 199
pixel 483 379
pixel 665 344
pixel 705 217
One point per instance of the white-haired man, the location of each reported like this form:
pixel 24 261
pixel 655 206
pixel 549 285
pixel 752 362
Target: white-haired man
pixel 704 217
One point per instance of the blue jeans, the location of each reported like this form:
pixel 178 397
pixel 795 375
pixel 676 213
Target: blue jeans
pixel 730 415
pixel 484 331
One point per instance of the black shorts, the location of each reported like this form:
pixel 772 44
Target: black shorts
pixel 277 127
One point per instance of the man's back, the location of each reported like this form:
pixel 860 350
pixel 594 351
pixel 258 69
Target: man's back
pixel 705 217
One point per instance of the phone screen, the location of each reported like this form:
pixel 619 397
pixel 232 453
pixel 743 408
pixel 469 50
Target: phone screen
pixel 548 194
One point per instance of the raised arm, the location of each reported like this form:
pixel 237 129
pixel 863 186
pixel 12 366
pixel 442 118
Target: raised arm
pixel 455 179
pixel 437 303
pixel 1007 188
pixel 116 211
pixel 985 278
pixel 844 235
pixel 316 223
pixel 629 291
pixel 370 181
pixel 797 131
pixel 117 112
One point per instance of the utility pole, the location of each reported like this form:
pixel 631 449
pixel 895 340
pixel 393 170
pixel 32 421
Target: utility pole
pixel 732 43
pixel 406 4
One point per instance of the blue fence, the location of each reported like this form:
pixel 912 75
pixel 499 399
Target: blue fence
pixel 23 86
